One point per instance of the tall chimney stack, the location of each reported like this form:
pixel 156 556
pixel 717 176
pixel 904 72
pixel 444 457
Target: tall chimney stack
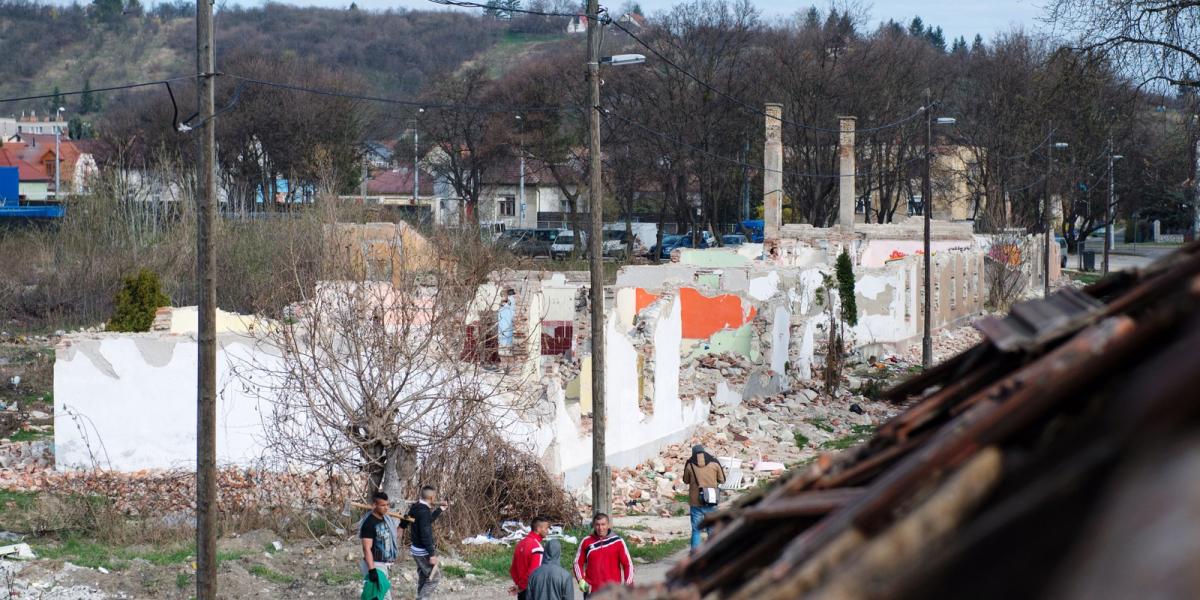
pixel 846 172
pixel 773 173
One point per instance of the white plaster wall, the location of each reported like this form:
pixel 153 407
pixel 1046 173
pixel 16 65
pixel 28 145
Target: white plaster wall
pixel 876 252
pixel 889 324
pixel 632 436
pixel 781 339
pixel 133 398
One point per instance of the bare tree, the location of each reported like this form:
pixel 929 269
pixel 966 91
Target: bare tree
pixel 389 362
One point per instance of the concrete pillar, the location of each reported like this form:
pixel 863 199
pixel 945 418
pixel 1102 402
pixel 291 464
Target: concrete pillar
pixel 846 172
pixel 773 173
pixel 1157 230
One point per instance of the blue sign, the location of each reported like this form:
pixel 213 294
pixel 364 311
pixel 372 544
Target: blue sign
pixel 10 186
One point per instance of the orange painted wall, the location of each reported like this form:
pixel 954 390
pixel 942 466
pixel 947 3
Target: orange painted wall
pixel 704 316
pixel 642 299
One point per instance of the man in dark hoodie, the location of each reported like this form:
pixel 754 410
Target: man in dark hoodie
pixel 424 552
pixel 550 581
pixel 704 476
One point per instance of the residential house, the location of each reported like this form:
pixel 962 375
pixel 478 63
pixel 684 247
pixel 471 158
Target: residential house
pixel 578 24
pixel 394 188
pixel 543 204
pixel 75 166
pixel 33 182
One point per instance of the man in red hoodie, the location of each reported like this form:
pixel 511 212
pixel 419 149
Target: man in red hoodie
pixel 602 559
pixel 527 556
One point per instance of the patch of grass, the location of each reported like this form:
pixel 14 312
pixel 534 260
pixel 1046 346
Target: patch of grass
pixel 823 424
pixel 26 435
pixel 90 553
pixel 332 578
pixel 455 572
pixel 656 552
pixel 681 497
pixel 271 575
pixel 19 500
pixel 183 580
pixel 858 434
pixel 801 440
pixel 492 560
pixel 1085 278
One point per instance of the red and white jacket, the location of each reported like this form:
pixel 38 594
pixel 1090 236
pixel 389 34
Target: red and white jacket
pixel 603 561
pixel 527 557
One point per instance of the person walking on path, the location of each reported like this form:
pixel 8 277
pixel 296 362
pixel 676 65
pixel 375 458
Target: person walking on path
pixel 550 581
pixel 377 530
pixel 527 557
pixel 704 476
pixel 602 559
pixel 423 549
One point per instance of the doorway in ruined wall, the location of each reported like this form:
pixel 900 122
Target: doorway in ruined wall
pixel 557 337
pixel 482 343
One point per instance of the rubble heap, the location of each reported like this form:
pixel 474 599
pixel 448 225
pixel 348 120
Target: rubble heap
pixel 1058 458
pixel 763 434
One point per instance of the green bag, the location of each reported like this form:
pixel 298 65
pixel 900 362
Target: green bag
pixel 376 591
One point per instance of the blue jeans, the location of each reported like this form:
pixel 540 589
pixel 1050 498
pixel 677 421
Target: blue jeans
pixel 698 514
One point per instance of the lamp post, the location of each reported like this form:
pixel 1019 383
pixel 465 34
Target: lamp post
pixel 57 152
pixel 1108 208
pixel 417 159
pixel 1046 212
pixel 521 180
pixel 601 478
pixel 927 213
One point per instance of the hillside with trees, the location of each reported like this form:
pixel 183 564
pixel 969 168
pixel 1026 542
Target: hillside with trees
pixel 393 53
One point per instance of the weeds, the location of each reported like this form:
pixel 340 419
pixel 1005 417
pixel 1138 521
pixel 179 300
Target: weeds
pixel 823 424
pixel 333 578
pixel 801 440
pixel 858 434
pixel 271 575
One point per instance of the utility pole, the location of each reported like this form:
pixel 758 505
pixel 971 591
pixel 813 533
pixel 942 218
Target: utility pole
pixel 57 154
pixel 1050 146
pixel 926 210
pixel 416 161
pixel 1108 208
pixel 601 478
pixel 206 372
pixel 521 183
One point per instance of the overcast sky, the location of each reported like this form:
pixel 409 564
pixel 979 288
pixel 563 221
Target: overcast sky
pixel 956 17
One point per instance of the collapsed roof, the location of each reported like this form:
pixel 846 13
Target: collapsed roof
pixel 1058 458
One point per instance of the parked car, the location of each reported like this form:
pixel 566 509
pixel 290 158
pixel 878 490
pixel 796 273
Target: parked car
pixel 667 241
pixel 733 239
pixel 564 245
pixel 684 241
pixel 616 243
pixel 1062 250
pixel 529 242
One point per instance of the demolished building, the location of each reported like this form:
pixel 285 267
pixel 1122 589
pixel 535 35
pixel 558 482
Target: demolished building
pixel 1057 458
pixel 712 327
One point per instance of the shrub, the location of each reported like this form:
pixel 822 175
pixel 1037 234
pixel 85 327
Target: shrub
pixel 845 282
pixel 137 301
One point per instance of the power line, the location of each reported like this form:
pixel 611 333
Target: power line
pixel 751 107
pixel 505 9
pixel 112 88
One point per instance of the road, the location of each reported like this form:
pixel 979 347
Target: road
pixel 1124 257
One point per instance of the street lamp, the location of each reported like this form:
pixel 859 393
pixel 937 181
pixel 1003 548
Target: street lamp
pixel 57 151
pixel 1109 239
pixel 927 210
pixel 1046 212
pixel 601 474
pixel 521 184
pixel 417 161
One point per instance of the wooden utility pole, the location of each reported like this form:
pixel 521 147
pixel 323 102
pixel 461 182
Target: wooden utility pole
pixel 927 216
pixel 206 266
pixel 601 478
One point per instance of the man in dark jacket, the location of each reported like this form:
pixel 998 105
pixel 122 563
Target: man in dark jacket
pixel 421 516
pixel 550 581
pixel 702 472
